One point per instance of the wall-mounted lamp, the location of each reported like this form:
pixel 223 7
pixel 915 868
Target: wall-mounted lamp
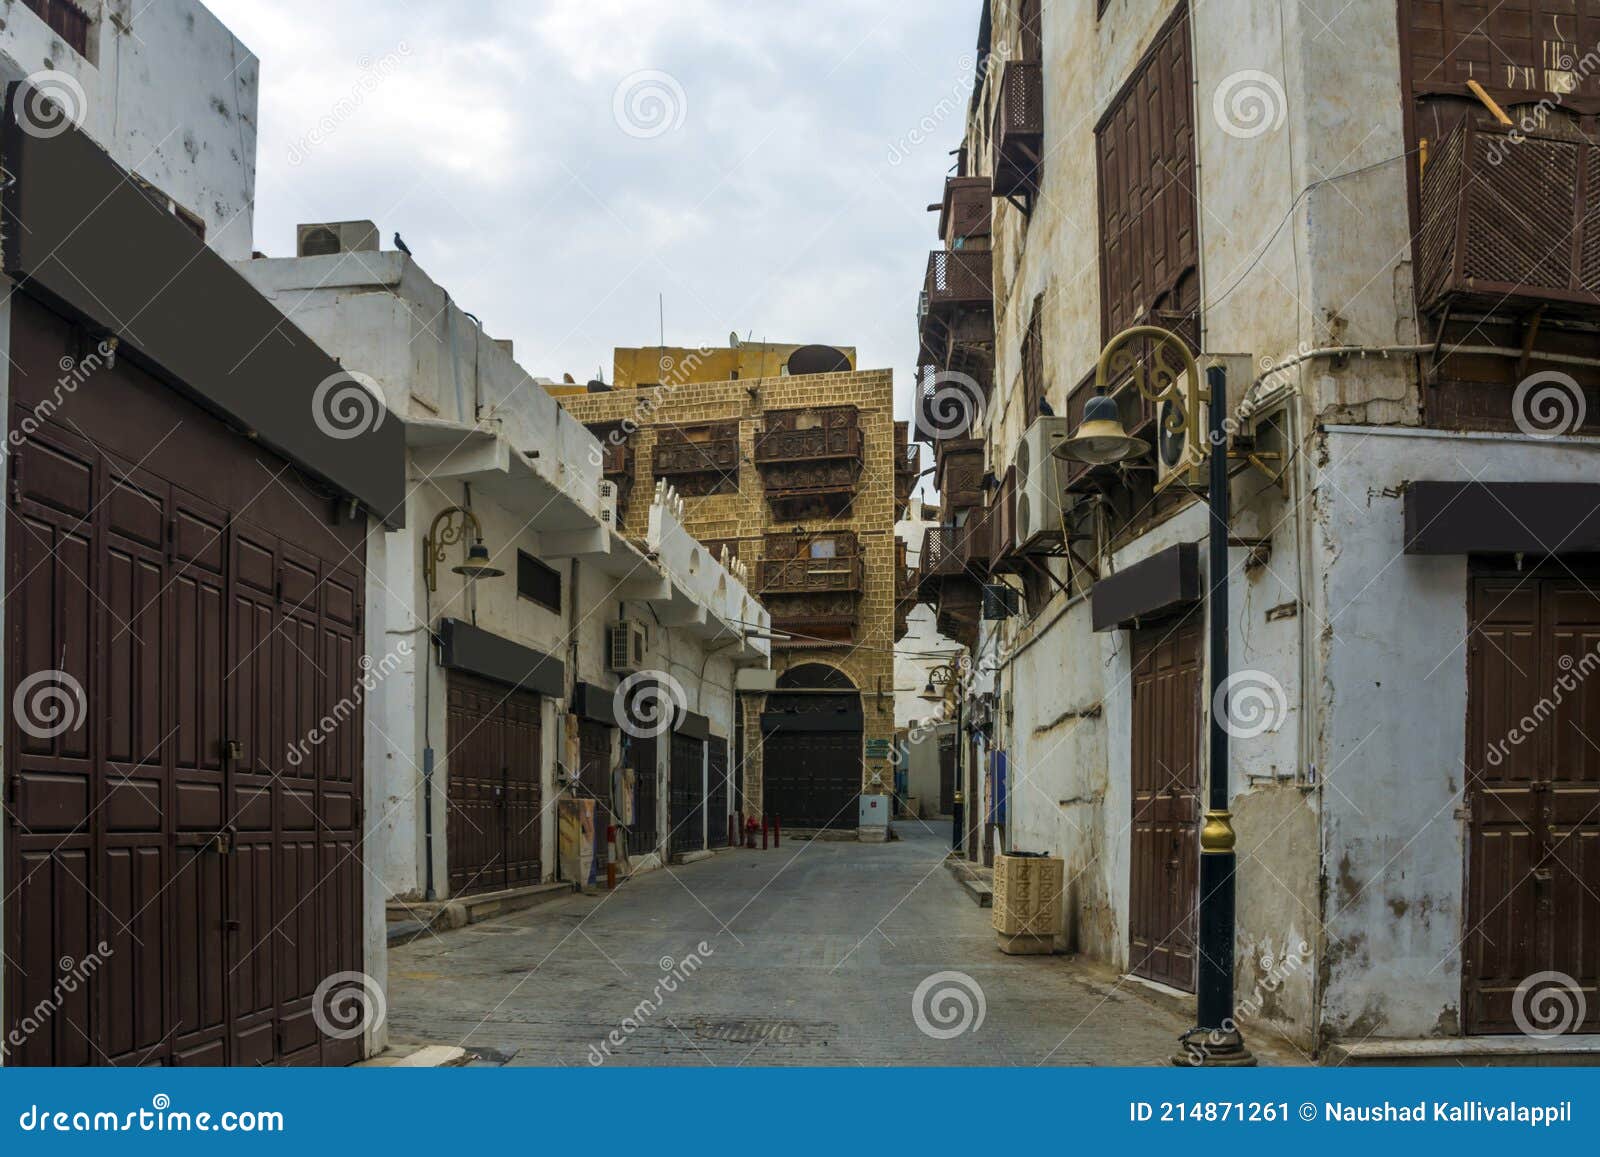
pixel 939 677
pixel 449 526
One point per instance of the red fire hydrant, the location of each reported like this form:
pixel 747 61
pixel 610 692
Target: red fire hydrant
pixel 751 826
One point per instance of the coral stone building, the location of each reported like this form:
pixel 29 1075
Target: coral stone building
pixel 800 474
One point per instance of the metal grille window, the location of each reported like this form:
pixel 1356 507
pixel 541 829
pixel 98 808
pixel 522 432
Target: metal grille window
pixel 538 582
pixel 1145 154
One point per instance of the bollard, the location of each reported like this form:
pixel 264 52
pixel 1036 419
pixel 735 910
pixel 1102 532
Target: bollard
pixel 777 830
pixel 763 833
pixel 611 857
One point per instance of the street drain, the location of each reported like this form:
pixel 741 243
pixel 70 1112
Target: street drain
pixel 746 1032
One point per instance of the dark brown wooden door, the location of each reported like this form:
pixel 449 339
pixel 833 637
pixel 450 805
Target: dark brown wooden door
pixel 493 785
pixel 1533 792
pixel 811 779
pixel 717 792
pixel 947 775
pixel 686 795
pixel 189 812
pixel 1165 849
pixel 594 781
pixel 645 834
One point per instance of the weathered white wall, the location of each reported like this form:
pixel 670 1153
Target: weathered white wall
pixel 1394 747
pixel 168 91
pixel 382 315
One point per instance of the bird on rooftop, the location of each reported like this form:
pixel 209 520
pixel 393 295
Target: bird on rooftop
pixel 1044 409
pixel 399 243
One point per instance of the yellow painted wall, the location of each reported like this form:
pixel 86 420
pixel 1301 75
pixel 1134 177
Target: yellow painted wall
pixel 747 516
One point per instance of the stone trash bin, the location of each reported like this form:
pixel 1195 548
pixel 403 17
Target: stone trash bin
pixel 1027 903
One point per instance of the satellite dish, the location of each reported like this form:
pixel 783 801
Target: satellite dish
pixel 733 340
pixel 818 359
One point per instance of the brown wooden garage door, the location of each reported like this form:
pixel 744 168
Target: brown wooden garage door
pixel 181 613
pixel 493 785
pixel 1165 851
pixel 1533 791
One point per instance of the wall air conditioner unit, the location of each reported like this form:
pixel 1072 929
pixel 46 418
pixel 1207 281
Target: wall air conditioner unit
pixel 1038 514
pixel 328 237
pixel 608 505
pixel 1181 458
pixel 625 643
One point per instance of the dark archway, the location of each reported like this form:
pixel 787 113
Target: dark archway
pixel 811 748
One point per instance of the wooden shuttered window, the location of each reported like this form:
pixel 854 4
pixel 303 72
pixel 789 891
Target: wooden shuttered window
pixel 1148 206
pixel 1033 388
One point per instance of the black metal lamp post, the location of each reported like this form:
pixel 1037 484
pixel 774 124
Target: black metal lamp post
pixel 1102 440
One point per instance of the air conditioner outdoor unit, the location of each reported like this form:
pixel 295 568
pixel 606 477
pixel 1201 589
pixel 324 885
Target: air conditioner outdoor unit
pixel 608 504
pixel 625 645
pixel 1181 458
pixel 1038 517
pixel 328 237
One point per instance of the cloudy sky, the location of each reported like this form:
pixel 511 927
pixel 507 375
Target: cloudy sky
pixel 764 165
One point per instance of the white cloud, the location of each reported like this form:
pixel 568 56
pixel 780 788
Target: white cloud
pixel 771 209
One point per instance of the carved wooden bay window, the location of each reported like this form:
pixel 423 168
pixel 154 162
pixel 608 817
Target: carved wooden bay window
pixel 810 459
pixel 812 582
pixel 907 467
pixel 966 213
pixel 698 459
pixel 1505 234
pixel 958 472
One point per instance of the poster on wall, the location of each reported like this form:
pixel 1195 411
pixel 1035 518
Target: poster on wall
pixel 623 803
pixel 575 834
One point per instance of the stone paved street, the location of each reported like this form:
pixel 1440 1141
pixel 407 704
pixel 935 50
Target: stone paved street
pixel 815 953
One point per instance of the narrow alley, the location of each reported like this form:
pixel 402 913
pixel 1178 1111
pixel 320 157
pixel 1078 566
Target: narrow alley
pixel 816 951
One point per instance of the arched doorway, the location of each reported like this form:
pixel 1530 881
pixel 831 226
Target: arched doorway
pixel 811 748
